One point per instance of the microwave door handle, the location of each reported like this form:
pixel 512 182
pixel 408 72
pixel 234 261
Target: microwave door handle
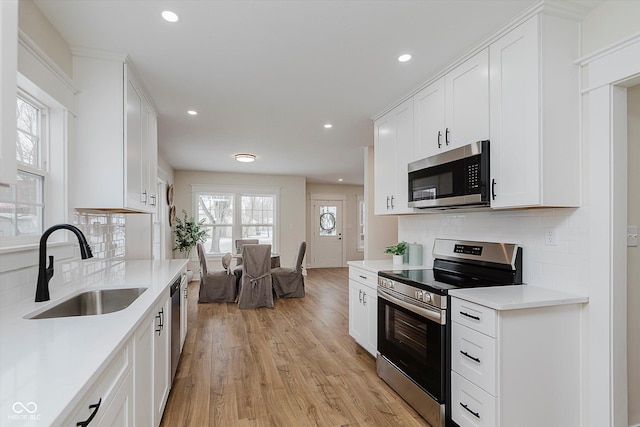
pixel 433 315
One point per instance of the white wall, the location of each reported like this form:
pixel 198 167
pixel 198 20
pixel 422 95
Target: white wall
pixel 292 202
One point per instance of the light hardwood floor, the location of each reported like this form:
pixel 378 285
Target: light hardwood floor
pixel 293 365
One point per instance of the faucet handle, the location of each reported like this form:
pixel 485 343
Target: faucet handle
pixel 50 268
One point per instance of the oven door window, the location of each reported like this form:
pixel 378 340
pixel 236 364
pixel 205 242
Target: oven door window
pixel 414 344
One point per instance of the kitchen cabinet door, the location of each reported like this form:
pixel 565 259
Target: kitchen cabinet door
pixel 161 358
pixel 116 157
pixel 467 102
pixel 363 308
pixel 429 113
pixel 384 163
pixel 144 372
pixel 393 140
pixel 357 316
pixel 120 412
pixel 535 151
pixel 8 85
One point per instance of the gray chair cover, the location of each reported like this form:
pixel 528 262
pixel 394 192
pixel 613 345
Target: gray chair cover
pixel 226 262
pixel 215 286
pixel 289 282
pixel 241 242
pixel 256 289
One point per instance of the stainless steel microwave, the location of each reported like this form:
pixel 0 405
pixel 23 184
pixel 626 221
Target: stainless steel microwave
pixel 457 178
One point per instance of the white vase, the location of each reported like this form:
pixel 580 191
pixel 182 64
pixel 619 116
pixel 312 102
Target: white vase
pixel 397 259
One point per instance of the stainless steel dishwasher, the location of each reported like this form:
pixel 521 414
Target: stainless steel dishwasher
pixel 175 326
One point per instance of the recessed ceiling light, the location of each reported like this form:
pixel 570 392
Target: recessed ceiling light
pixel 340 179
pixel 170 16
pixel 192 112
pixel 328 126
pixel 245 158
pixel 404 58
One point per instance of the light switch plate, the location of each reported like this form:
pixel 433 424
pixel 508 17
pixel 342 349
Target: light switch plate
pixel 632 235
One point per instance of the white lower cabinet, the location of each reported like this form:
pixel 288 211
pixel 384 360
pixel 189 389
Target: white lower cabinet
pixel 517 367
pixel 109 400
pixel 151 365
pixel 363 308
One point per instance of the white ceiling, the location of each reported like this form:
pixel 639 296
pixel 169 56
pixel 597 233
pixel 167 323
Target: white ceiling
pixel 265 76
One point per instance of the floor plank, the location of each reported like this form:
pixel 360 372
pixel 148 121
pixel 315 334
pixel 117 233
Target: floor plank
pixel 293 365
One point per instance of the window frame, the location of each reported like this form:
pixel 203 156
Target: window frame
pixel 238 192
pixel 41 170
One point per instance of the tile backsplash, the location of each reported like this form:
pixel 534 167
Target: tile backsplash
pixel 558 266
pixel 104 232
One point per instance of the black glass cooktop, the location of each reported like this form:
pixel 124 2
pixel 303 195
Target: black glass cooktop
pixel 439 282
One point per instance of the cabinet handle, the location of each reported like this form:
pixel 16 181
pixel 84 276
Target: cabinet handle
pixel 475 414
pixel 470 356
pixel 446 136
pixel 360 295
pixel 392 207
pixel 363 277
pixel 439 139
pixel 469 315
pixel 364 298
pixel 95 408
pixel 153 199
pixel 186 292
pixel 144 197
pixel 493 189
pixel 387 202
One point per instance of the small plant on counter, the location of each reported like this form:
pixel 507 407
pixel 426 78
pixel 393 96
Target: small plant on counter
pixel 398 249
pixel 188 234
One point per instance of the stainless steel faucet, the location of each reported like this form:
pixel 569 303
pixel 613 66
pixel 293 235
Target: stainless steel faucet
pixel 46 273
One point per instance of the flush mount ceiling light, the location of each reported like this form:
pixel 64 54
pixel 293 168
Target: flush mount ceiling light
pixel 192 112
pixel 170 16
pixel 328 126
pixel 404 58
pixel 245 158
pixel 340 179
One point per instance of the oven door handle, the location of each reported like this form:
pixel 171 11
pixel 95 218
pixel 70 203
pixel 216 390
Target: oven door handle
pixel 434 315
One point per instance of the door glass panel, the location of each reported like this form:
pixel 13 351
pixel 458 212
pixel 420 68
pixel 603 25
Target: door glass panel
pixel 327 223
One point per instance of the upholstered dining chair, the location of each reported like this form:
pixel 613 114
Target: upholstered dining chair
pixel 215 286
pixel 289 282
pixel 239 243
pixel 256 289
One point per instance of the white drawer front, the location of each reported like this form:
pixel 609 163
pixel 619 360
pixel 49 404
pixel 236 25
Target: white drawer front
pixel 363 276
pixel 480 318
pixel 473 355
pixel 470 405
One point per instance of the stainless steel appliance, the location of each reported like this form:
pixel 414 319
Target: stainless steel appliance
pixel 175 326
pixel 413 320
pixel 457 178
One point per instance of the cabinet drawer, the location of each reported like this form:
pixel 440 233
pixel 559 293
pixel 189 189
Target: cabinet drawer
pixel 473 355
pixel 363 276
pixel 477 317
pixel 470 405
pixel 103 390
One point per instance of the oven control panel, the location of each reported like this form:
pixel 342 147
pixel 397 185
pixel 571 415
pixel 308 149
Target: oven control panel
pixel 413 293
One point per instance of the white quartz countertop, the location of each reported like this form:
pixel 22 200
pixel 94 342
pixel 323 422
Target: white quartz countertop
pixel 383 264
pixel 49 364
pixel 517 297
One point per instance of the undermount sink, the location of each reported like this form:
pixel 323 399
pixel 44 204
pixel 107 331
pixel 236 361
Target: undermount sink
pixel 89 303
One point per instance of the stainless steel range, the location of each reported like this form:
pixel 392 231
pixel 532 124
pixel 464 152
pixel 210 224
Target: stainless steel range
pixel 413 321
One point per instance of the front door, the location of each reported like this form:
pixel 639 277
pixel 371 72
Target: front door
pixel 327 229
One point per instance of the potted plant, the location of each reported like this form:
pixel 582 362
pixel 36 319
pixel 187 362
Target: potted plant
pixel 397 251
pixel 188 234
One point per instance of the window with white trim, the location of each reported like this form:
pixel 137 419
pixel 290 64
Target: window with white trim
pixel 232 214
pixel 22 205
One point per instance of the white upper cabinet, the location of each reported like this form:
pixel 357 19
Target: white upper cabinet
pixel 8 85
pixel 453 110
pixel 535 149
pixel 393 141
pixel 116 133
